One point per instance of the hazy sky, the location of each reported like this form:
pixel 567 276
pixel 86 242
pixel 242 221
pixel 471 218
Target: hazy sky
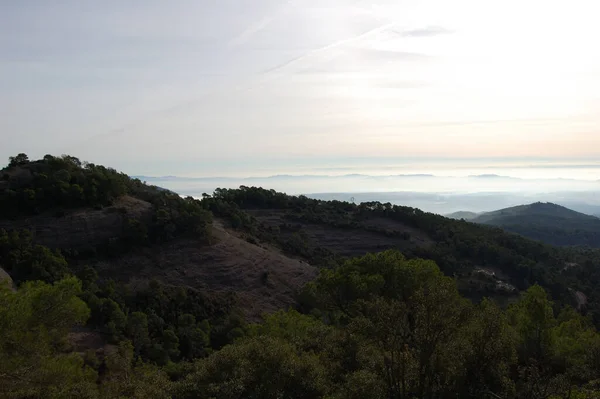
pixel 157 87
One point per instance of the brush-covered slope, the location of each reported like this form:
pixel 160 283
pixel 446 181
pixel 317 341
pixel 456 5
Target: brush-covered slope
pixel 134 233
pixel 547 222
pixel 485 260
pixel 158 279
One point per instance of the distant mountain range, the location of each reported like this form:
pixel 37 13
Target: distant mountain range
pixel 547 222
pixel 431 193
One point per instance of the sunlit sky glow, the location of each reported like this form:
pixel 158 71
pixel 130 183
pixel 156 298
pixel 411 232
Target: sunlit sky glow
pixel 217 87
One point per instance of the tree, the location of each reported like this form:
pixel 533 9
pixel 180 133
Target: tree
pixel 194 338
pixel 26 261
pixel 125 379
pixel 257 368
pixel 34 322
pixel 533 319
pixel 490 353
pixel 20 159
pixel 137 329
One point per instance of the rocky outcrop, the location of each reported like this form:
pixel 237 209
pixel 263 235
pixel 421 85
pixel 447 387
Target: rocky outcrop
pixel 81 229
pixel 4 277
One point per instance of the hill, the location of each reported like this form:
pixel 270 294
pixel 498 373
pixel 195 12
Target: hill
pixel 133 233
pixel 486 261
pixel 463 215
pixel 162 281
pixel 547 222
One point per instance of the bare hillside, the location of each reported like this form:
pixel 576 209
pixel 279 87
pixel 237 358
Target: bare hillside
pixel 264 280
pixel 373 235
pixel 81 228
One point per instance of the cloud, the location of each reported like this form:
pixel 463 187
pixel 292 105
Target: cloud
pixel 324 49
pixel 258 26
pixel 399 84
pixel 251 31
pixel 426 32
pixel 379 55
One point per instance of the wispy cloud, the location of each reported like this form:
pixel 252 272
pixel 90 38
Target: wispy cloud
pixel 328 47
pixel 425 32
pixel 398 84
pixel 258 26
pixel 251 31
pixel 382 55
pixel 325 77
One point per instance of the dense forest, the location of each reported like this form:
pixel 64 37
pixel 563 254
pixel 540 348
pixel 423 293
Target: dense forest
pixel 415 320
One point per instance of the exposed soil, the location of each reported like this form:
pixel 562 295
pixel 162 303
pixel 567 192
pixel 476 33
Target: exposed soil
pixel 83 339
pixel 346 241
pixel 581 299
pixel 263 280
pixel 5 277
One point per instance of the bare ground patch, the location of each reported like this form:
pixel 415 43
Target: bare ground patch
pixel 263 280
pixel 346 241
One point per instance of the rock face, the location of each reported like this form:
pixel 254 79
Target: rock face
pixel 80 229
pixel 5 277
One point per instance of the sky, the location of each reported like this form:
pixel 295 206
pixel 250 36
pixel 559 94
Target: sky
pixel 246 87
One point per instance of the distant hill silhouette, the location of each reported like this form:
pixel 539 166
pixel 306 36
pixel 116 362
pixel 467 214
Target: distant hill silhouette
pixel 463 215
pixel 547 222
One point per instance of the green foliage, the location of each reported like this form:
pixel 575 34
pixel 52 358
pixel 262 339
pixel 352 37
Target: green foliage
pixel 59 182
pixel 164 323
pixel 124 379
pixel 489 352
pixel 26 261
pixel 405 333
pixel 389 327
pixel 20 159
pixel 533 319
pixel 458 247
pixel 176 216
pixel 262 367
pixel 34 322
pixel 386 274
pixel 384 325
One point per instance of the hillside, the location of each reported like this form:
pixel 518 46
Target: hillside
pixel 133 233
pixel 169 281
pixel 486 261
pixel 547 222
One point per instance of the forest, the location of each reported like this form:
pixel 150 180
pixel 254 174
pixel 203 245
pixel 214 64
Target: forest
pixel 387 324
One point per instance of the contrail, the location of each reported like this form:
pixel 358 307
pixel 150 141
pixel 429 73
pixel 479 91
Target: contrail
pixel 264 76
pixel 330 46
pixel 251 31
pixel 256 27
